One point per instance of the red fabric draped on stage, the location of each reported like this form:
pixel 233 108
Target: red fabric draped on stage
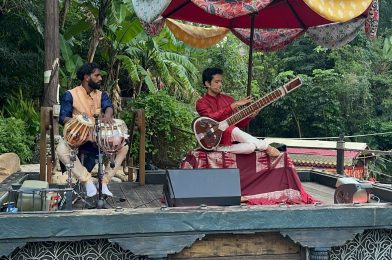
pixel 264 181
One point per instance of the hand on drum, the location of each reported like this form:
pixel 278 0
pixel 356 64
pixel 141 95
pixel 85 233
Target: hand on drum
pixel 107 120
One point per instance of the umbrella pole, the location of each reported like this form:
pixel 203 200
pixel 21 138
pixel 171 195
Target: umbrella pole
pixel 250 62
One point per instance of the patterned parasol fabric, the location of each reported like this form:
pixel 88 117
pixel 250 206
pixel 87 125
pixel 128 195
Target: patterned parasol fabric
pixel 371 23
pixel 268 39
pixel 338 10
pixel 336 35
pixel 298 17
pixel 230 9
pixel 195 36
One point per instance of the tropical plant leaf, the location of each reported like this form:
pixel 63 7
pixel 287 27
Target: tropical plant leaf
pixel 387 50
pixel 76 28
pixel 130 66
pixel 119 11
pixel 36 23
pixel 147 79
pixel 128 31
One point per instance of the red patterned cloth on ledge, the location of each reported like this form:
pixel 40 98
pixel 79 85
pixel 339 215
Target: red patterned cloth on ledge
pixel 264 180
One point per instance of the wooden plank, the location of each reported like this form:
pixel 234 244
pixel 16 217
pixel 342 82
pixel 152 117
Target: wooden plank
pixel 128 189
pixel 142 146
pixel 320 192
pixel 229 245
pixel 146 197
pixel 118 194
pixel 156 191
pixel 319 186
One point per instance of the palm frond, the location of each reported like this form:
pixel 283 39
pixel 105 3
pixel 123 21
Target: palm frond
pixel 183 61
pixel 130 66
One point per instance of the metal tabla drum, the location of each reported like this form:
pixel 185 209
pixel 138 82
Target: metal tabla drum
pixel 112 137
pixel 77 130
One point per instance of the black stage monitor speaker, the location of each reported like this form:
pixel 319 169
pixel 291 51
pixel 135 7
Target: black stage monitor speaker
pixel 213 187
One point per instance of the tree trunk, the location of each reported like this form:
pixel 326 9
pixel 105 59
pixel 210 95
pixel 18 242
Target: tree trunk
pixel 115 91
pixel 64 12
pixel 98 29
pixel 297 123
pixel 52 53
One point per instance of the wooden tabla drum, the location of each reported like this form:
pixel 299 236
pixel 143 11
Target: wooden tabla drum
pixel 77 130
pixel 112 137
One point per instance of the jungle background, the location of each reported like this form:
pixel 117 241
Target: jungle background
pixel 346 90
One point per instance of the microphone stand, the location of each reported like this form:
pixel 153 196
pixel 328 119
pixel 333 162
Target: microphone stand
pixel 100 200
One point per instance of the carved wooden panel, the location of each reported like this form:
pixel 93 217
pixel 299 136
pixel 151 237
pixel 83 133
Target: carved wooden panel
pixel 86 249
pixel 373 244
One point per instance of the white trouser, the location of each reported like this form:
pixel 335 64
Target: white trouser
pixel 79 171
pixel 247 143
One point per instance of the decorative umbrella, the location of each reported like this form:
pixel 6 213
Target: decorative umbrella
pixel 272 23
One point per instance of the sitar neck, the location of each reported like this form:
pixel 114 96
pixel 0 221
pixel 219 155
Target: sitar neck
pixel 264 101
pixel 260 103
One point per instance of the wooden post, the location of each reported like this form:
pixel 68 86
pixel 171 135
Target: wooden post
pixel 130 144
pixel 142 147
pixel 250 62
pixel 52 55
pixel 44 125
pixel 51 78
pixel 49 169
pixel 340 155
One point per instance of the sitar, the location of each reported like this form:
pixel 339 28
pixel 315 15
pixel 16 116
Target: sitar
pixel 209 132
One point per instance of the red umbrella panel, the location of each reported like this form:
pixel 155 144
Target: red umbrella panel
pixel 265 25
pixel 269 13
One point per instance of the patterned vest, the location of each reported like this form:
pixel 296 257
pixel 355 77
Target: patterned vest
pixel 84 103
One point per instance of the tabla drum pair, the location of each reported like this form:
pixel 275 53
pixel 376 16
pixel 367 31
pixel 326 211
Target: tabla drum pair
pixel 110 138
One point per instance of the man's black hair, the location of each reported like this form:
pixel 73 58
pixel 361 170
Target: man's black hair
pixel 209 73
pixel 86 69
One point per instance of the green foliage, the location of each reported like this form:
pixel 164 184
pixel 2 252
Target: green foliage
pixel 168 128
pixel 14 138
pixel 17 106
pixel 21 48
pixel 160 65
pixel 387 49
pixel 72 62
pixel 230 55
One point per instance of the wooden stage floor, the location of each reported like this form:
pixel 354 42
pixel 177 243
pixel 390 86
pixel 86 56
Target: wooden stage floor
pixel 133 195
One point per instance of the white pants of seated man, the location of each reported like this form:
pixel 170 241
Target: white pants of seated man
pixel 80 172
pixel 247 143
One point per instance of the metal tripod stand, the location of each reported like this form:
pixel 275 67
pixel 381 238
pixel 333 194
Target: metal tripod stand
pixel 78 195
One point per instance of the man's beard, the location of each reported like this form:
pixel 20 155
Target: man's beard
pixel 94 85
pixel 217 91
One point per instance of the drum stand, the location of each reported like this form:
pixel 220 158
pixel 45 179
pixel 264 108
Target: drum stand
pixel 100 200
pixel 69 168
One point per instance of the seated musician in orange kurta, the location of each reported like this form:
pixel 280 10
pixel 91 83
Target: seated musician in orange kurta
pixel 87 100
pixel 218 106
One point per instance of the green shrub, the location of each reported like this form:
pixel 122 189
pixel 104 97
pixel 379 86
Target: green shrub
pixel 19 107
pixel 168 128
pixel 14 138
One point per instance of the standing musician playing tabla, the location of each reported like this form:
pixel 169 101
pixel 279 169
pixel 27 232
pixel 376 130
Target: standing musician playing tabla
pixel 89 100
